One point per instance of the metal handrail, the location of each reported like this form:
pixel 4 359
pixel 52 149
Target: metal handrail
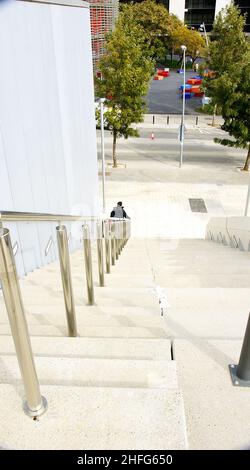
pixel 42 217
pixel 36 404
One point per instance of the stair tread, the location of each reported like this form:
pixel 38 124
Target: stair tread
pixel 96 418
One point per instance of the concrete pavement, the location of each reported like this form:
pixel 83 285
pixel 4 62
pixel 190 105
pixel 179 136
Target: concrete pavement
pixel 156 192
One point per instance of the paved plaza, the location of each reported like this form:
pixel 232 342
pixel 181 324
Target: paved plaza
pixel 164 96
pixel 156 192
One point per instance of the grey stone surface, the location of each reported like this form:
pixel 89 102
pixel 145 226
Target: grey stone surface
pixel 95 418
pixel 217 413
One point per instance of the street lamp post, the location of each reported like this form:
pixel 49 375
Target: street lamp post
pixel 203 28
pixel 103 154
pixel 182 127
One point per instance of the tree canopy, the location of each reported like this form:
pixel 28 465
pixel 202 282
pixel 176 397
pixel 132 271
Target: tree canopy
pixel 126 69
pixel 229 58
pixel 165 32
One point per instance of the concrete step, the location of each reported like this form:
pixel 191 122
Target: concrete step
pixel 95 418
pixel 219 297
pixel 87 372
pixel 94 320
pixel 89 310
pixel 228 270
pixel 108 296
pixel 204 321
pixel 105 348
pixel 203 280
pixel 213 405
pixel 93 331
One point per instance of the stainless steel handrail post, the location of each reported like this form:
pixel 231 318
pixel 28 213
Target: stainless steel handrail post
pixel 113 243
pixel 116 239
pixel 107 245
pixel 124 224
pixel 120 236
pixel 100 253
pixel 35 405
pixel 88 264
pixel 63 250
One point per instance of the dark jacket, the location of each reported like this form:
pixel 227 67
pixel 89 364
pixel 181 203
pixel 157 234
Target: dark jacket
pixel 124 214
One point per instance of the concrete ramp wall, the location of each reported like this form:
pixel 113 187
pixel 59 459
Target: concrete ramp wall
pixel 231 231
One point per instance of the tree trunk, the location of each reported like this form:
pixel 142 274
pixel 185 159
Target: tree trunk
pixel 247 162
pixel 114 150
pixel 214 113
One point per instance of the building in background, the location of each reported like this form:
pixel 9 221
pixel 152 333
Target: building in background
pixel 245 8
pixel 196 12
pixel 103 14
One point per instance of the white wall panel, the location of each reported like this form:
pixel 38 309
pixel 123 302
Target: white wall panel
pixel 177 7
pixel 221 4
pixel 47 123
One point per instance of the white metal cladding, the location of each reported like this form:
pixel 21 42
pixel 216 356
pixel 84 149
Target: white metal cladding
pixel 48 160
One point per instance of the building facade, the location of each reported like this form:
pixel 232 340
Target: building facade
pixel 103 14
pixel 196 12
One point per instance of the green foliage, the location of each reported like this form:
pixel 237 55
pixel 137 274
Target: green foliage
pixel 158 26
pixel 126 69
pixel 209 109
pixel 228 44
pixel 190 38
pixel 229 58
pixel 236 108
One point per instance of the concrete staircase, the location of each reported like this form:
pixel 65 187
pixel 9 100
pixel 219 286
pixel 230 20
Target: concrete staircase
pixel 135 379
pixel 207 287
pixel 114 386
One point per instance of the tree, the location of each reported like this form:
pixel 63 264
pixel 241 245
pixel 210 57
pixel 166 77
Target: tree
pixel 236 111
pixel 126 69
pixel 190 38
pixel 158 26
pixel 229 58
pixel 165 32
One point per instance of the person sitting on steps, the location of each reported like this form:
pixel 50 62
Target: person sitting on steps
pixel 118 212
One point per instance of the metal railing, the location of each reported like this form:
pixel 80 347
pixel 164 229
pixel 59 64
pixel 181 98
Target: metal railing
pixel 116 233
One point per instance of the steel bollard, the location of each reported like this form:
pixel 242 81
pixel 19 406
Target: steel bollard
pixel 240 374
pixel 88 264
pixel 107 246
pixel 36 404
pixel 153 119
pixel 196 121
pixel 100 254
pixel 168 120
pixel 63 250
